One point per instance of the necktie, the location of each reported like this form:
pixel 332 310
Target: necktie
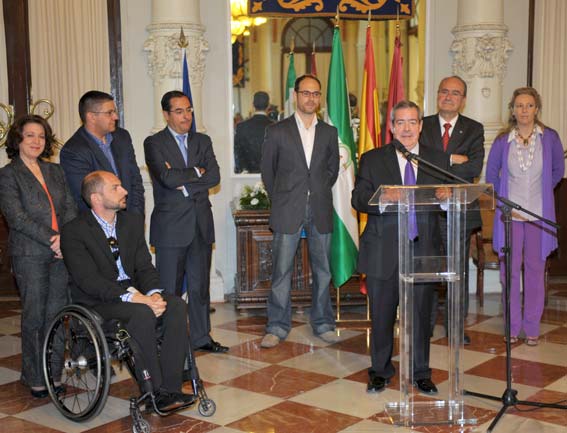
pixel 182 148
pixel 409 179
pixel 446 137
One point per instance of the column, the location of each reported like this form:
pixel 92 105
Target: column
pixel 480 53
pixel 164 53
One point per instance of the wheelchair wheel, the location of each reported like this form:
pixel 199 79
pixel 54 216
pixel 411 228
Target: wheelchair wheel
pixel 75 354
pixel 141 426
pixel 207 407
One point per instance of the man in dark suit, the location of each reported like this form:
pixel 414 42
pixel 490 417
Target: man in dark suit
pixel 378 255
pixel 183 167
pixel 106 254
pixel 250 136
pixel 463 140
pixel 300 163
pixel 100 145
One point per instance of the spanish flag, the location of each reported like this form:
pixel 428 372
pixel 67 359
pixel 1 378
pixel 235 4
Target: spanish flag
pixel 369 121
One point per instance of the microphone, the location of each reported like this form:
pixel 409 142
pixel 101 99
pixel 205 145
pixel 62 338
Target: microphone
pixel 400 147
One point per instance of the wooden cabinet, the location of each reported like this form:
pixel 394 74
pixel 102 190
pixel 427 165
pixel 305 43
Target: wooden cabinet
pixel 254 262
pixel 254 266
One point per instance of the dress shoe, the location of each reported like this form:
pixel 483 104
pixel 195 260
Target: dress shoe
pixel 186 398
pixel 425 386
pixel 168 401
pixel 269 341
pixel 376 383
pixel 466 340
pixel 213 347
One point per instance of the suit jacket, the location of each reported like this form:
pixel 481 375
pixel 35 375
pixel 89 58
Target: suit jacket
pixel 92 266
pixel 81 155
pixel 378 254
pixel 248 143
pixel 467 139
pixel 26 207
pixel 176 218
pixel 288 180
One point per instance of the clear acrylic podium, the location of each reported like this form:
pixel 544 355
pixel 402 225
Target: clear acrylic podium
pixel 448 406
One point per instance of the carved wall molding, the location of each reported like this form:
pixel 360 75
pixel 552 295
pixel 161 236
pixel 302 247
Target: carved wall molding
pixel 481 50
pixel 164 54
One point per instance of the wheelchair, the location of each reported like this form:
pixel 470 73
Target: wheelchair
pixel 78 351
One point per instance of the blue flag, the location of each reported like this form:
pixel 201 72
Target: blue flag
pixel 187 89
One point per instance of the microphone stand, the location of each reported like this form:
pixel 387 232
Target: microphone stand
pixel 509 397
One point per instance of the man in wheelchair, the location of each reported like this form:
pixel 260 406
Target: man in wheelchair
pixel 108 259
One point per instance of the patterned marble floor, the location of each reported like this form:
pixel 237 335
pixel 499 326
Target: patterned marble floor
pixel 306 385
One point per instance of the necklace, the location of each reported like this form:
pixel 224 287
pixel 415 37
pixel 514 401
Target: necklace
pixel 521 143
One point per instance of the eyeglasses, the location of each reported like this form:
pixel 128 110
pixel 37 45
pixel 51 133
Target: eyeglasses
pixel 446 92
pixel 108 113
pixel 113 244
pixel 180 111
pixel 307 94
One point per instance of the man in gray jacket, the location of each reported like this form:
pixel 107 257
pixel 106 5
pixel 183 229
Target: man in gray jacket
pixel 300 164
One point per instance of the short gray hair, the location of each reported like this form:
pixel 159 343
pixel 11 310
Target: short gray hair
pixel 405 103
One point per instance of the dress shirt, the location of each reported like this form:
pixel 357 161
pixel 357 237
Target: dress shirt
pixel 109 230
pixel 104 146
pixel 185 156
pixel 307 136
pixel 402 161
pixel 442 122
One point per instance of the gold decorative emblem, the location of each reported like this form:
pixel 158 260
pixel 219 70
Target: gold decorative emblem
pixel 298 5
pixel 257 7
pixel 362 6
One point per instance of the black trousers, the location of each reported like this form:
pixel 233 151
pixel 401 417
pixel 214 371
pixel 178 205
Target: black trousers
pixel 140 322
pixel 384 297
pixel 194 261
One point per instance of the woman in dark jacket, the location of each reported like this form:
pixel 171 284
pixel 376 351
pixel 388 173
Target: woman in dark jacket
pixel 36 203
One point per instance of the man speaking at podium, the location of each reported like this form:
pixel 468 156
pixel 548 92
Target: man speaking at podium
pixel 378 257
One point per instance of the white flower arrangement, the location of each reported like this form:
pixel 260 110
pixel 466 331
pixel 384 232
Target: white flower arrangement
pixel 254 197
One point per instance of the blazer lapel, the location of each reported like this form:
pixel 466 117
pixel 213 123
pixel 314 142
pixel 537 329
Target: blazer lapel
pixel 393 166
pixel 296 139
pixel 101 158
pixel 457 136
pixel 124 244
pixel 172 146
pixel 100 238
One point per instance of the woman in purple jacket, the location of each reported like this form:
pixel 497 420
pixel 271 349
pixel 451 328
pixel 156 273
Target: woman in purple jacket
pixel 525 164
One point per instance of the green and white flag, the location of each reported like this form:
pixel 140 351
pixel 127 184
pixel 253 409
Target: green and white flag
pixel 290 82
pixel 344 244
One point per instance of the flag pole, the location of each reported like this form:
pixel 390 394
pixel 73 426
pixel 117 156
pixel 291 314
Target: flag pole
pixel 398 22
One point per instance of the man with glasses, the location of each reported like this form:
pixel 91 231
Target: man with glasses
pixel 110 265
pixel 378 255
pixel 183 168
pixel 300 164
pixel 463 140
pixel 100 145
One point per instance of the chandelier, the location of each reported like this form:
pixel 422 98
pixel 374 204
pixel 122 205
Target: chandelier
pixel 240 22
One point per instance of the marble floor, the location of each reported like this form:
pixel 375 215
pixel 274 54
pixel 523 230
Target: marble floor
pixel 307 385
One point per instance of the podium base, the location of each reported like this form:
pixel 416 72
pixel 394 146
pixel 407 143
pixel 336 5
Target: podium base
pixel 430 413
